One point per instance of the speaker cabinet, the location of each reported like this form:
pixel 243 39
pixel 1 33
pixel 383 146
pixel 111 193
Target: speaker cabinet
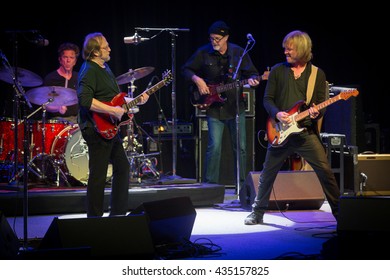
pixel 170 220
pixel 9 243
pixel 376 167
pixel 228 164
pixel 249 95
pixel 121 237
pixel 345 117
pixel 362 229
pixel 293 190
pixel 364 214
pixel 185 155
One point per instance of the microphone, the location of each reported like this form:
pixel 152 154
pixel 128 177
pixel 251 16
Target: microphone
pixel 40 41
pixel 135 39
pixel 250 37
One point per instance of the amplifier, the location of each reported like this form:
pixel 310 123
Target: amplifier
pixel 249 99
pixel 163 129
pixel 375 169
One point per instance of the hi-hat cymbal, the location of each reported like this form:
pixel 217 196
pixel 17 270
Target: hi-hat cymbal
pixel 60 96
pixel 25 77
pixel 133 75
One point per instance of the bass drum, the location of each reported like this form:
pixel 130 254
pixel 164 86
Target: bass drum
pixel 70 147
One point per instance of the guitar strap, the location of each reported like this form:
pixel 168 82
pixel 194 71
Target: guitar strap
pixel 310 85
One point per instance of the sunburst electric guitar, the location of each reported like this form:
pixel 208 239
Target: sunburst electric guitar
pixel 203 101
pixel 107 125
pixel 278 133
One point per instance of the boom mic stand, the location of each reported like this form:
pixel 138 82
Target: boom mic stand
pixel 18 100
pixel 171 31
pixel 238 150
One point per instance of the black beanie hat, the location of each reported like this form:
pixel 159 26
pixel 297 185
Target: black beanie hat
pixel 220 28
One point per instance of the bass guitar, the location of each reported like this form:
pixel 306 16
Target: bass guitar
pixel 203 101
pixel 108 126
pixel 278 133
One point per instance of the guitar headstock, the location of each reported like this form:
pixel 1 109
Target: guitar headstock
pixel 167 77
pixel 265 75
pixel 347 94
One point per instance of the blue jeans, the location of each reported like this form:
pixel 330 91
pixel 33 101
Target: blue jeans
pixel 214 146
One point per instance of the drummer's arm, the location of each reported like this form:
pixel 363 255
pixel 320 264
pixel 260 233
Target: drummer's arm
pixel 100 107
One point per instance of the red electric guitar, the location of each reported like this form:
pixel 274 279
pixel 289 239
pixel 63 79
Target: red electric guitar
pixel 107 125
pixel 203 101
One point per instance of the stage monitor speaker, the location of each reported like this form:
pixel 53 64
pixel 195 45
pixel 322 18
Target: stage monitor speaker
pixel 293 190
pixel 364 214
pixel 227 167
pixel 170 220
pixel 185 155
pixel 363 228
pixel 9 243
pixel 119 237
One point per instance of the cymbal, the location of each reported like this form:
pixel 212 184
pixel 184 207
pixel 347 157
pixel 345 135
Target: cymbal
pixel 61 96
pixel 25 77
pixel 133 75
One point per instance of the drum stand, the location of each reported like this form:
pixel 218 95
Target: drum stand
pixel 43 157
pixel 138 161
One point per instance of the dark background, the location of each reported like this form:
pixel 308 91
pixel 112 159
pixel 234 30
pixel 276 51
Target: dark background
pixel 348 44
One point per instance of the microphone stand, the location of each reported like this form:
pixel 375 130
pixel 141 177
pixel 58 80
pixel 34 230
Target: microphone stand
pixel 172 31
pixel 19 95
pixel 238 150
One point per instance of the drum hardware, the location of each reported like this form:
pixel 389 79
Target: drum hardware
pixel 133 75
pixel 39 163
pixel 70 152
pixel 140 163
pixel 26 78
pixel 59 96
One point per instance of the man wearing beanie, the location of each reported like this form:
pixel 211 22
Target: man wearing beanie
pixel 212 65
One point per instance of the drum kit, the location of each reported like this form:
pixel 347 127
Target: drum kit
pixel 56 149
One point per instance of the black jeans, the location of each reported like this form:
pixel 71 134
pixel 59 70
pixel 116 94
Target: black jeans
pixel 102 152
pixel 308 146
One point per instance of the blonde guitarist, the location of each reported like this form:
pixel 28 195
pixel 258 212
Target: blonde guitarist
pixel 284 98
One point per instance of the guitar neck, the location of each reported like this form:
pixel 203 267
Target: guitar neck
pixel 223 88
pixel 320 106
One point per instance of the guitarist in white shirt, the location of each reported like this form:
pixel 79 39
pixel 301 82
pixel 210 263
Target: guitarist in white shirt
pixel 287 84
pixel 96 87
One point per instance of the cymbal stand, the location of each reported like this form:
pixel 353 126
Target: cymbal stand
pixel 30 165
pixel 137 159
pixel 20 94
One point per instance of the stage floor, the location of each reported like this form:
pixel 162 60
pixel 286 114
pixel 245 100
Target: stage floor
pixel 43 199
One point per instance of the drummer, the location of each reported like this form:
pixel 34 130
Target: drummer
pixel 66 77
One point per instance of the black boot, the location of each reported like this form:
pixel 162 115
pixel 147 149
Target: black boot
pixel 256 217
